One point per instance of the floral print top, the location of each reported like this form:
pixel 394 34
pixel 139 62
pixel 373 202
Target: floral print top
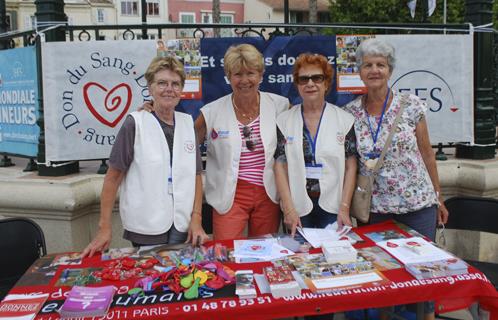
pixel 403 183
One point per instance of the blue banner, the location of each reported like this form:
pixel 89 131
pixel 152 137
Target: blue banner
pixel 279 54
pixel 19 102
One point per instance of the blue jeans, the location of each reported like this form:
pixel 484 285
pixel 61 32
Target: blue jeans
pixel 317 218
pixel 423 221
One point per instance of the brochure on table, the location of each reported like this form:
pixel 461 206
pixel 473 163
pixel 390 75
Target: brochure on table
pixel 21 306
pixel 259 250
pixel 316 236
pixel 414 250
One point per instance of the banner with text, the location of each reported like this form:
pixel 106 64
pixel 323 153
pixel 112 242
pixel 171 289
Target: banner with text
pixel 279 53
pixel 19 102
pixel 439 70
pixel 89 87
pixel 443 78
pixel 88 94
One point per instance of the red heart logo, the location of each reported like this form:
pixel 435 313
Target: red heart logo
pixel 115 105
pixel 454 108
pixel 414 244
pixel 391 245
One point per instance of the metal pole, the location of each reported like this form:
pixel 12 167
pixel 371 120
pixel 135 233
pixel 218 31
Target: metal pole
pixel 3 23
pixel 144 19
pixel 49 11
pixel 480 12
pixel 286 14
pixel 444 12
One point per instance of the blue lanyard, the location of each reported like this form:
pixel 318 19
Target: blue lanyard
pixel 375 136
pixel 308 134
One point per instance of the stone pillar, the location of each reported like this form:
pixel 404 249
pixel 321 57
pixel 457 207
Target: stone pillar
pixel 480 12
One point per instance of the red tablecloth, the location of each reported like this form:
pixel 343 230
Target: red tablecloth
pixel 450 293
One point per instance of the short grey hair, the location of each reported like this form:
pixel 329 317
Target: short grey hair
pixel 376 47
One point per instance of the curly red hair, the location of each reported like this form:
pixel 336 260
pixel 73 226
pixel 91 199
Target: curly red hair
pixel 314 59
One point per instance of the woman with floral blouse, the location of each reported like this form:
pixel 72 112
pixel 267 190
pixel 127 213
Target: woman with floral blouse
pixel 406 187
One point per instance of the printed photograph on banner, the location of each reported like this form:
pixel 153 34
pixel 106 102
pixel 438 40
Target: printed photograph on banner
pixel 187 51
pixel 348 72
pixel 77 277
pixel 40 273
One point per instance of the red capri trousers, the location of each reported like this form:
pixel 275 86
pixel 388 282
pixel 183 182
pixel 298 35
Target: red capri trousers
pixel 251 207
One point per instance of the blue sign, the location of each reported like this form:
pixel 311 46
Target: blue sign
pixel 279 53
pixel 19 102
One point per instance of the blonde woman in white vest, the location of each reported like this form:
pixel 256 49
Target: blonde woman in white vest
pixel 241 141
pixel 155 162
pixel 315 165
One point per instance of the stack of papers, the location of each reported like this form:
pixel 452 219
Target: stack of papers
pixel 414 250
pixel 244 285
pixel 340 251
pixel 259 250
pixel 434 269
pixel 321 276
pixel 316 236
pixel 282 282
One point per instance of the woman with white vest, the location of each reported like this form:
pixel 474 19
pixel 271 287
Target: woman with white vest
pixel 315 165
pixel 156 163
pixel 241 141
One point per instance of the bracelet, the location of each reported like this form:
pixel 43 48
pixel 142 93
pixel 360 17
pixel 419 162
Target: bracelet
pixel 437 198
pixel 345 204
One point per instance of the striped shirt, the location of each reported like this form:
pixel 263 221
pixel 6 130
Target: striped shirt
pixel 252 156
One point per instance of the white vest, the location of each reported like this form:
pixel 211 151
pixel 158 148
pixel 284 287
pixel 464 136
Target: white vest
pixel 224 148
pixel 146 206
pixel 334 127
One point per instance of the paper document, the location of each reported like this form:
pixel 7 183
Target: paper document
pixel 316 236
pixel 414 250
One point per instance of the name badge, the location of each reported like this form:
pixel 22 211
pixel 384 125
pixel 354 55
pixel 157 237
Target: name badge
pixel 372 155
pixel 170 185
pixel 313 171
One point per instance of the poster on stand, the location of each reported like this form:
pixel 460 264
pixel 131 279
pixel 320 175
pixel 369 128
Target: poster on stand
pixel 19 105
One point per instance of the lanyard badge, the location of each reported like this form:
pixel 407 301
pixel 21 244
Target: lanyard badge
pixel 374 155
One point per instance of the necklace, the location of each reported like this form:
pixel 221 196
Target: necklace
pixel 247 116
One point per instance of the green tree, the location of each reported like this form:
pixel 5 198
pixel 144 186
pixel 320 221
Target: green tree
pixel 392 11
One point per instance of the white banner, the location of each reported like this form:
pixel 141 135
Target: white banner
pixel 438 69
pixel 88 88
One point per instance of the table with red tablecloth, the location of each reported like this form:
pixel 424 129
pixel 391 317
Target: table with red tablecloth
pixel 450 293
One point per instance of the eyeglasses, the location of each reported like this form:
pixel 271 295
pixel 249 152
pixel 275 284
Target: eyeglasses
pixel 175 85
pixel 246 133
pixel 316 78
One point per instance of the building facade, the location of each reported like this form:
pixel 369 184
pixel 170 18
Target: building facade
pixel 201 11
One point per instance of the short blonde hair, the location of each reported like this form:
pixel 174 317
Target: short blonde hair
pixel 243 56
pixel 164 63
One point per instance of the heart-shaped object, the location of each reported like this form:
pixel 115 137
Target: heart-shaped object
pixel 454 108
pixel 107 106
